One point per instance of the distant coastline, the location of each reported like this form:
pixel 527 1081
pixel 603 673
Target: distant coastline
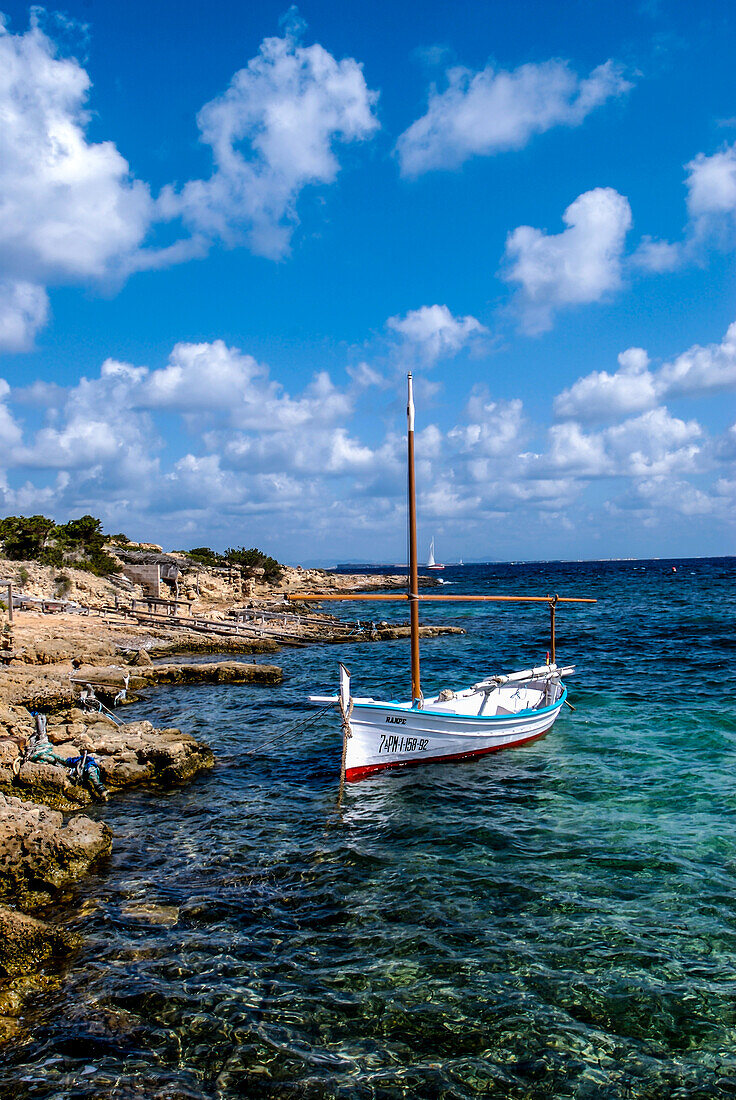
pixel 384 566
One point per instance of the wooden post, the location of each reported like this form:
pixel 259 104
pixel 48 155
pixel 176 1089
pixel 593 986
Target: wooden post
pixel 413 593
pixel 346 709
pixel 552 640
pixel 10 601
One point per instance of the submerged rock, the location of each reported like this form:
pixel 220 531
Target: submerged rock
pixel 27 943
pixel 40 854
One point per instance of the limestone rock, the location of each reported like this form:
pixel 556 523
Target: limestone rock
pixel 49 785
pixel 40 854
pixel 26 943
pixel 141 658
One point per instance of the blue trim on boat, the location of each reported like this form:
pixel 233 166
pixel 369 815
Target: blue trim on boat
pixel 465 717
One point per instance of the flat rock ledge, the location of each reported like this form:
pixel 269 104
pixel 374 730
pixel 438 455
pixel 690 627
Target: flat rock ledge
pixel 386 632
pixel 214 672
pixel 48 687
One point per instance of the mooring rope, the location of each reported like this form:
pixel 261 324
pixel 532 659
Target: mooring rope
pixel 289 729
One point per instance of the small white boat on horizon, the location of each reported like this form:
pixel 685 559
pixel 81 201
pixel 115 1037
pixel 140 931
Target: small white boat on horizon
pixel 431 563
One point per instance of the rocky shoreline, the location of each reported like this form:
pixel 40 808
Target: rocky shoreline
pixel 43 850
pixel 47 842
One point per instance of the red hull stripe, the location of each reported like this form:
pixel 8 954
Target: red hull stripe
pixel 370 769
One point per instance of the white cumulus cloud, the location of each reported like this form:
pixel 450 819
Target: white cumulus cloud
pixel 210 447
pixel 24 309
pixel 494 428
pixel 711 185
pixel 643 446
pixel 603 396
pixel 658 256
pixel 701 369
pixel 580 265
pixel 433 332
pixel 486 112
pixel 711 208
pixel 635 387
pixel 10 431
pixel 70 210
pixel 273 133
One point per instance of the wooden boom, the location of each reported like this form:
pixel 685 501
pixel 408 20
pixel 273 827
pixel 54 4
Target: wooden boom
pixel 415 598
pixel 296 597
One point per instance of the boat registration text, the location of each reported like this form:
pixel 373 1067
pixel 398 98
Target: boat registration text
pixel 392 742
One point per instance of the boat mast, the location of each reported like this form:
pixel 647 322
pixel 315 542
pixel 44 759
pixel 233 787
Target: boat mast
pixel 413 589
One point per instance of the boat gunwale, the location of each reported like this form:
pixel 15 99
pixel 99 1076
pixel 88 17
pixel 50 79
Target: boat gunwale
pixel 463 717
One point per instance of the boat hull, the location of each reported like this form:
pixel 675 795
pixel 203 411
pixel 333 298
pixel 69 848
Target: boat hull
pixel 384 737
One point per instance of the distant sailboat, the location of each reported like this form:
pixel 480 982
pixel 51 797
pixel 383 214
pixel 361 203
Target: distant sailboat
pixel 431 563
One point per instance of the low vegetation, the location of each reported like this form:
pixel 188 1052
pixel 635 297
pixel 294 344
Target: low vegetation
pixel 79 543
pixel 255 559
pixel 239 556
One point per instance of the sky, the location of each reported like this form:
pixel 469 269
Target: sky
pixel 227 232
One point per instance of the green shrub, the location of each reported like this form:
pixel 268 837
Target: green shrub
pixel 255 558
pixel 52 555
pixel 100 563
pixel 205 555
pixel 80 543
pixel 25 537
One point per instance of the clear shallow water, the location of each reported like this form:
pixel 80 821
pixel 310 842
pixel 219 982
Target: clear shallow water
pixel 553 921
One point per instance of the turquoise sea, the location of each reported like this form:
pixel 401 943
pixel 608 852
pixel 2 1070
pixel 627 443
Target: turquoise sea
pixel 557 920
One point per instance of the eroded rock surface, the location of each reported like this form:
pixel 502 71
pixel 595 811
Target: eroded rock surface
pixel 41 854
pixel 27 943
pixel 133 753
pixel 56 686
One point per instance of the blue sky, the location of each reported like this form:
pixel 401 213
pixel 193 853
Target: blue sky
pixel 227 232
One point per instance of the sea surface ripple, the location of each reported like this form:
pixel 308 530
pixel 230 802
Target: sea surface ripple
pixel 553 921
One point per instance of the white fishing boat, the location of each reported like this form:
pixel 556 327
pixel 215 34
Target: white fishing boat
pixel 499 711
pixel 496 713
